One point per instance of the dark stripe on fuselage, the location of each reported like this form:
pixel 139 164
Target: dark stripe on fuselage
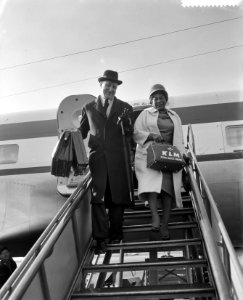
pixel 19 171
pixel 200 158
pixel 211 113
pixel 28 130
pixel 220 156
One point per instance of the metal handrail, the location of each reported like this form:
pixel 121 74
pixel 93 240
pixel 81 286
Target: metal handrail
pixel 43 245
pixel 223 231
pixel 190 133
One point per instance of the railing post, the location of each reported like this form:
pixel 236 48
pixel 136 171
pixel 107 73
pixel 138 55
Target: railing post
pixel 226 260
pixel 44 283
pixel 206 203
pixel 76 237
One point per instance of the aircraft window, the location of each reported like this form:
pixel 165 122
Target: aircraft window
pixel 9 153
pixel 234 135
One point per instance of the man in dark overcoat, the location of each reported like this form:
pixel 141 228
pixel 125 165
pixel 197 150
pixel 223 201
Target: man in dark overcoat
pixel 103 119
pixel 7 265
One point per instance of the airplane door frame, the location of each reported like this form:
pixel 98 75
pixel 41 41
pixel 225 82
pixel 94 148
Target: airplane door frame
pixel 232 148
pixel 68 118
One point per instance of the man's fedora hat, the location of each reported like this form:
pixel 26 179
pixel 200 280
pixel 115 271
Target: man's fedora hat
pixel 110 76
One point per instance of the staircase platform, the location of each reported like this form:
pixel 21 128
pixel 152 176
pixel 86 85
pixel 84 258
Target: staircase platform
pixel 143 266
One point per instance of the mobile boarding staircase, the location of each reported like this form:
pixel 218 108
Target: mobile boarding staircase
pixel 198 262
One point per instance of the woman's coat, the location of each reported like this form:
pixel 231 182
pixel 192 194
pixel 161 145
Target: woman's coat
pixel 106 145
pixel 150 180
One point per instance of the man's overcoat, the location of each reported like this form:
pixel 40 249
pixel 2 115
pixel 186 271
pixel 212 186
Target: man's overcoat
pixel 106 159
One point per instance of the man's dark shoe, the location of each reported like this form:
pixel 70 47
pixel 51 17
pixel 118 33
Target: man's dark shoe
pixel 101 247
pixel 114 241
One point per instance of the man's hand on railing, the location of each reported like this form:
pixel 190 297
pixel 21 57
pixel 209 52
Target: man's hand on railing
pixel 80 169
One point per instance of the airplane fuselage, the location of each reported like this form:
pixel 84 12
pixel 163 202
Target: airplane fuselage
pixel 29 195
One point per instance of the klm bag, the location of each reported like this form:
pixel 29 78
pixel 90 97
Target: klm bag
pixel 164 157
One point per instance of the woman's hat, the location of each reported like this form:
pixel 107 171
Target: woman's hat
pixel 110 76
pixel 158 88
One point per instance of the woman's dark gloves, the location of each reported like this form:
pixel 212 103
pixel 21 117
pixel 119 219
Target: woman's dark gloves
pixel 187 159
pixel 155 137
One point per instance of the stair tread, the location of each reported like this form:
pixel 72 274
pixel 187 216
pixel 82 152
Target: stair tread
pixel 170 225
pixel 154 244
pixel 161 263
pixel 148 291
pixel 175 211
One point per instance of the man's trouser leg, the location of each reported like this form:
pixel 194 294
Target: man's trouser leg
pixel 100 221
pixel 115 214
pixel 116 221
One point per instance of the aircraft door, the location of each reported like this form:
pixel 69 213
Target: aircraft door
pixel 208 138
pixel 68 119
pixel 69 111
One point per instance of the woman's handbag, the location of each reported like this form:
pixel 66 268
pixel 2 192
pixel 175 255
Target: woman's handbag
pixel 164 157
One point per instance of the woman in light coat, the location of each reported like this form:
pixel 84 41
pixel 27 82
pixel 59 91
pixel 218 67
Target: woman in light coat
pixel 157 123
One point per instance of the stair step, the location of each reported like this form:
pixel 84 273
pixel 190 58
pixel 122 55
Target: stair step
pixel 154 244
pixel 148 292
pixel 146 212
pixel 142 232
pixel 144 216
pixel 147 227
pixel 185 197
pixel 135 266
pixel 139 205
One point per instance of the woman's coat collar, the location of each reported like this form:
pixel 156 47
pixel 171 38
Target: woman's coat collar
pixel 153 110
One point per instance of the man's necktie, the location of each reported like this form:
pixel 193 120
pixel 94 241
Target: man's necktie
pixel 106 105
